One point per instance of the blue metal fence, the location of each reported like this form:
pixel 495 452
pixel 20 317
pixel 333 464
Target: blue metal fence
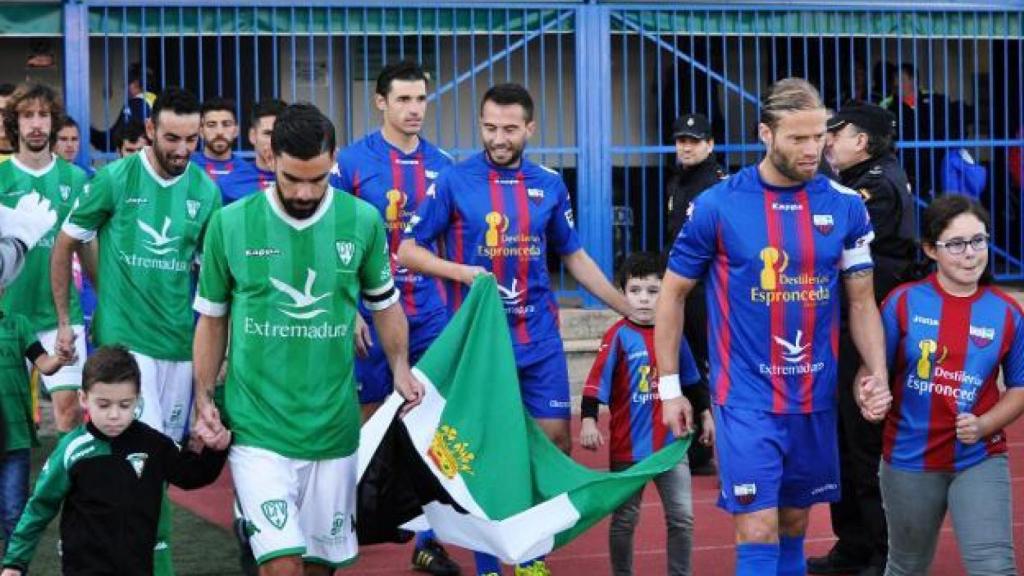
pixel 608 80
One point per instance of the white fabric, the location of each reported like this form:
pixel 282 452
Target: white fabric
pixel 68 377
pixel 166 394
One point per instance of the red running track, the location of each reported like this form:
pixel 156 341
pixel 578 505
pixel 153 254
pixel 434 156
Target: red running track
pixel 714 550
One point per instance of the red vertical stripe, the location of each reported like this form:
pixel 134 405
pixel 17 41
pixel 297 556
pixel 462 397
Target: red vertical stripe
pixel 523 259
pixel 940 452
pixel 723 334
pixel 989 395
pixel 621 449
pixel 355 184
pixel 809 313
pixel 658 428
pixel 892 419
pixel 457 234
pixel 777 309
pixel 497 205
pixel 398 183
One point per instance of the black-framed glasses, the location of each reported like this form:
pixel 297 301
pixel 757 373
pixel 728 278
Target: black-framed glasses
pixel 978 243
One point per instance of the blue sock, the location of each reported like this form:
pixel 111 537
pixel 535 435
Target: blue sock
pixel 423 537
pixel 754 559
pixel 486 564
pixel 791 556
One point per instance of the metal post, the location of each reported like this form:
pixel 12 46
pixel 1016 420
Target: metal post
pixel 76 71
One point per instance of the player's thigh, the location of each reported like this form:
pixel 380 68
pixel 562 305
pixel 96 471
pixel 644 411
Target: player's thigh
pixel 811 463
pixel 267 487
pixel 327 511
pixel 175 395
pixel 750 446
pixel 68 377
pixel 148 408
pixel 544 379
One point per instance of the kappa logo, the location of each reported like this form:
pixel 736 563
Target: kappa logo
pixel 65 192
pixel 276 512
pixel 138 462
pixel 793 352
pixel 745 493
pixel 301 305
pixel 824 223
pixel 192 207
pixel 511 295
pixel 159 243
pixel 346 250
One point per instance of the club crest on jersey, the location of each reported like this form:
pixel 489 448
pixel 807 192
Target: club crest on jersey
pixel 65 192
pixel 346 250
pixel 824 223
pixel 138 462
pixel 192 207
pixel 745 493
pixel 536 195
pixel 982 336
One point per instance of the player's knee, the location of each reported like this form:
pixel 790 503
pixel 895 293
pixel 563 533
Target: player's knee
pixel 283 566
pixel 758 527
pixel 793 521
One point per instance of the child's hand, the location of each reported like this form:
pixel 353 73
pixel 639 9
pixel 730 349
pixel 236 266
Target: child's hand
pixel 590 436
pixel 707 423
pixel 10 572
pixel 215 439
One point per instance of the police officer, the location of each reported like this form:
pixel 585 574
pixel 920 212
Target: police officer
pixel 696 171
pixel 860 150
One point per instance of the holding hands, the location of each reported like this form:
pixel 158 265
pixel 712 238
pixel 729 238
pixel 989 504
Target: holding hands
pixel 873 397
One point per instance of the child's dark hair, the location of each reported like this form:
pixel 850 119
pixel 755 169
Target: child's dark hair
pixel 942 211
pixel 109 365
pixel 641 265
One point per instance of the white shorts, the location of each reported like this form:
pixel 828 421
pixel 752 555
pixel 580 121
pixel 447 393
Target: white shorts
pixel 297 507
pixel 68 377
pixel 166 394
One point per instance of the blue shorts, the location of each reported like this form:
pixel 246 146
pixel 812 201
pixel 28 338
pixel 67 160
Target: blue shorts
pixel 544 378
pixel 770 460
pixel 374 380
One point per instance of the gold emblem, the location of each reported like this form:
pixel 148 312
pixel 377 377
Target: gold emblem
pixel 449 455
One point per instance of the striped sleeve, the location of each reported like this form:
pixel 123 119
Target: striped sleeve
pixel 599 382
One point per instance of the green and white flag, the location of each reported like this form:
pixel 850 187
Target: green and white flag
pixel 470 459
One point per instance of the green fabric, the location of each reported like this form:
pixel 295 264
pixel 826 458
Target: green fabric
pixel 15 337
pixel 292 290
pixel 31 19
pixel 150 232
pixel 29 294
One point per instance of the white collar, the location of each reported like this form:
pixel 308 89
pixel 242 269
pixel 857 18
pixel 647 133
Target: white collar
pixel 271 194
pixel 35 173
pixel 164 182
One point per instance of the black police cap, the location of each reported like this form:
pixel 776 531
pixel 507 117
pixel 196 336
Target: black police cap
pixel 874 120
pixel 692 125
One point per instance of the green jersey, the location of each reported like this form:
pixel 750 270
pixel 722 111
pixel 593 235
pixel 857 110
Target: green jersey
pixel 16 340
pixel 150 230
pixel 292 288
pixel 29 295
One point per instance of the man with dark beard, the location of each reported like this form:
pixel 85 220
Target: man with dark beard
pixel 149 212
pixel 499 213
pixel 219 130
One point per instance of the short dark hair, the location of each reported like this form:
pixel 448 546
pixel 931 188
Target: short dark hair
pixel 218 104
pixel 176 100
pixel 507 95
pixel 129 132
pixel 144 76
pixel 6 89
pixel 404 70
pixel 909 69
pixel 26 93
pixel 878 144
pixel 943 210
pixel 68 121
pixel 641 265
pixel 303 132
pixel 111 365
pixel 268 107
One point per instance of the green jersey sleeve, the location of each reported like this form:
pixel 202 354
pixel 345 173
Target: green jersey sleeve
pixel 375 279
pixel 214 292
pixel 93 207
pixel 51 489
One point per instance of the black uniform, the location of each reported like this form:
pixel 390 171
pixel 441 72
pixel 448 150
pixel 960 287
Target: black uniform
pixel 858 519
pixel 683 187
pixel 110 490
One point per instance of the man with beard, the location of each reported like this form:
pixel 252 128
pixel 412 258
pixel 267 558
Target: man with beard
pixel 772 242
pixel 392 168
pixel 498 214
pixel 258 175
pixel 69 143
pixel 30 118
pixel 149 212
pixel 282 271
pixel 219 130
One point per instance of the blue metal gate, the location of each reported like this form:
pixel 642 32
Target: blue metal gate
pixel 608 80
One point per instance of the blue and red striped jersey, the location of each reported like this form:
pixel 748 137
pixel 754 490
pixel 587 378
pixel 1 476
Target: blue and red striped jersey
pixel 215 169
pixel 625 378
pixel 396 184
pixel 244 179
pixel 944 354
pixel 772 258
pixel 503 220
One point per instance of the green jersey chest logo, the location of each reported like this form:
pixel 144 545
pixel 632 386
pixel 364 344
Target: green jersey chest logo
pixel 346 250
pixel 65 192
pixel 159 243
pixel 276 512
pixel 138 462
pixel 192 207
pixel 300 305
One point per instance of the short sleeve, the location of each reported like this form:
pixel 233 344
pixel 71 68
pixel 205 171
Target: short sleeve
pixel 93 207
pixel 599 382
pixel 697 243
pixel 214 293
pixel 893 308
pixel 378 287
pixel 561 229
pixel 857 242
pixel 340 178
pixel 1013 362
pixel 432 217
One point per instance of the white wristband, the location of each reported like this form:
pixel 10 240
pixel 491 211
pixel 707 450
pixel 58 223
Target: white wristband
pixel 668 387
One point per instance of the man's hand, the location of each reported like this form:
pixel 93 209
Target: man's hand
pixel 707 424
pixel 467 274
pixel 970 428
pixel 677 414
pixel 590 436
pixel 363 340
pixel 29 221
pixel 207 422
pixel 10 572
pixel 410 388
pixel 873 397
pixel 65 345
